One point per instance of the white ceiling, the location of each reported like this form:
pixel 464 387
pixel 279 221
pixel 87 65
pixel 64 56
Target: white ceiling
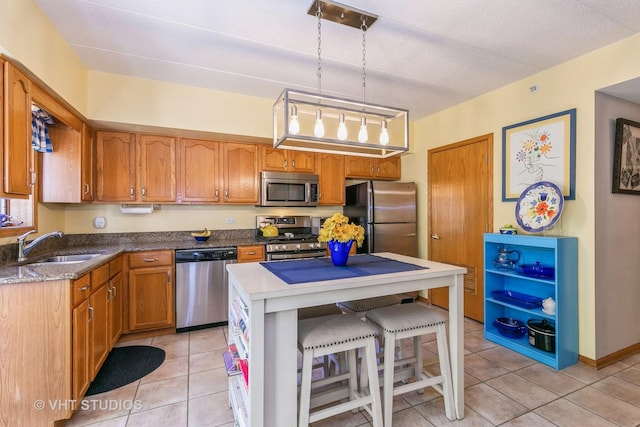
pixel 421 55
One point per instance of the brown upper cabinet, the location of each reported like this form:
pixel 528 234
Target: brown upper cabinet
pixel 115 167
pixel 331 172
pixel 240 174
pixel 199 171
pixel 119 157
pixel 217 172
pixel 157 162
pixel 278 160
pixel 67 172
pixel 17 164
pixel 372 168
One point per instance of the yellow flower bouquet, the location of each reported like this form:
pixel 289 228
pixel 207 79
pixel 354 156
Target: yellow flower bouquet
pixel 338 228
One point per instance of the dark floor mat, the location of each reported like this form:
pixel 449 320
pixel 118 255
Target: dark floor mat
pixel 125 365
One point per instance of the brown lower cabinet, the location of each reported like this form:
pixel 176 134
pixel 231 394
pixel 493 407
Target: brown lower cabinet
pixel 151 285
pixel 251 253
pixel 80 319
pixel 96 322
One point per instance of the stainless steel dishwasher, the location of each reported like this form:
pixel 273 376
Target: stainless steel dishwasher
pixel 201 287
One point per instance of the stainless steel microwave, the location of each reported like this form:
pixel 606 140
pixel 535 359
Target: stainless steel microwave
pixel 288 189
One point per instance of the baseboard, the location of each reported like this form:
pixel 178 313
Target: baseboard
pixel 131 336
pixel 611 358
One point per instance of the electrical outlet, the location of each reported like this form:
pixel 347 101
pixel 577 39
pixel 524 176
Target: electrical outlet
pixel 231 220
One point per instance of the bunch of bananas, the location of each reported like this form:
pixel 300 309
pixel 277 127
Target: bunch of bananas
pixel 203 233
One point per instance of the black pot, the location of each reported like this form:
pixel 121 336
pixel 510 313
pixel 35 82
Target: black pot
pixel 542 334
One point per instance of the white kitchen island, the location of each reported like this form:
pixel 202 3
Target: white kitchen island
pixel 271 313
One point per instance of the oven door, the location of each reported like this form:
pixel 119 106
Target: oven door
pixel 296 255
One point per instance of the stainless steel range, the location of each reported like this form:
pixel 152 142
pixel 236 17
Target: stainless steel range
pixel 295 238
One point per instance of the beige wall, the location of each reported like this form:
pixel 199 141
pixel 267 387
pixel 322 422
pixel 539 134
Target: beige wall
pixel 28 36
pixel 569 85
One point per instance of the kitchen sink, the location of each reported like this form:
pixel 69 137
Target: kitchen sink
pixel 66 259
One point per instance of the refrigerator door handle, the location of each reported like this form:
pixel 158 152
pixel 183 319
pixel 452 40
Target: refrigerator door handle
pixel 435 237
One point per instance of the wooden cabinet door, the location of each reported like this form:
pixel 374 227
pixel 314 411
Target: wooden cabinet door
pixel 358 167
pixel 274 159
pixel 61 176
pixel 198 171
pixel 115 167
pixel 151 299
pixel 86 164
pixel 17 152
pixel 279 160
pixel 157 161
pixel 331 172
pixel 99 309
pixel 388 168
pixel 301 161
pixel 80 346
pixel 115 309
pixel 240 174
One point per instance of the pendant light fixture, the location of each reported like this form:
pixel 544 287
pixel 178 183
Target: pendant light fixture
pixel 323 123
pixel 363 135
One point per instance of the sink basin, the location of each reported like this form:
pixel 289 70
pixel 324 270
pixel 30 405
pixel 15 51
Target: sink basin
pixel 66 259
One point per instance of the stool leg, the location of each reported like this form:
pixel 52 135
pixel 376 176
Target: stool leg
pixel 353 376
pixel 389 350
pixel 417 350
pixel 445 368
pixel 305 387
pixel 370 359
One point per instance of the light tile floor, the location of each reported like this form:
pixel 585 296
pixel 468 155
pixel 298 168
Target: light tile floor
pixel 502 388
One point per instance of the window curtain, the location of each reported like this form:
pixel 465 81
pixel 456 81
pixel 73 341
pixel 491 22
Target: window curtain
pixel 40 140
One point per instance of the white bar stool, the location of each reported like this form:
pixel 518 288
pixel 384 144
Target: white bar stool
pixel 337 333
pixel 330 359
pixel 360 307
pixel 412 321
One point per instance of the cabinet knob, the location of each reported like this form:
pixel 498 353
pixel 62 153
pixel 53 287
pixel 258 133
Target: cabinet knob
pixel 86 188
pixel 144 192
pixel 293 164
pixel 150 259
pixel 226 193
pixel 90 313
pixel 285 164
pixel 435 237
pixel 132 191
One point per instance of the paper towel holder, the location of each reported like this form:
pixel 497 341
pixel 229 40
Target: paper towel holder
pixel 136 209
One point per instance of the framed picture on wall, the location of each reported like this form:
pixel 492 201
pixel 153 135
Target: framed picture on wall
pixel 537 150
pixel 626 157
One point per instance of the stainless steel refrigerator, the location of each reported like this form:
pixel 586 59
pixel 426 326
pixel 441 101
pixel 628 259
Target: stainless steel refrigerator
pixel 387 211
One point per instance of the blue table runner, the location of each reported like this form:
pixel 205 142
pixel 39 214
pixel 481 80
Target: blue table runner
pixel 316 269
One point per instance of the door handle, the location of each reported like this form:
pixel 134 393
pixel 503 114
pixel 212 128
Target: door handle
pixel 435 237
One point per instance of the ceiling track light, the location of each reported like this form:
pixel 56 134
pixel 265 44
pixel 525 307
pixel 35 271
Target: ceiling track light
pixel 306 121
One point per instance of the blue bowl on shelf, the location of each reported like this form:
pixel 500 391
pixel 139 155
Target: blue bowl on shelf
pixel 511 328
pixel 201 238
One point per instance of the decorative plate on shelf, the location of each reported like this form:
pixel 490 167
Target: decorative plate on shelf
pixel 539 206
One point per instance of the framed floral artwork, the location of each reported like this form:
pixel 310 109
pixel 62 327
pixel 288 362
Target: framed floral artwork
pixel 626 157
pixel 538 150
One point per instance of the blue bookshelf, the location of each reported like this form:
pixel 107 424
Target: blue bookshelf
pixel 561 253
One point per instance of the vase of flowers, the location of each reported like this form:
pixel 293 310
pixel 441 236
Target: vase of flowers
pixel 339 235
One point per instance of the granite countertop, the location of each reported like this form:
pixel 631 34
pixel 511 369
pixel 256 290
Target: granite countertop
pixel 30 271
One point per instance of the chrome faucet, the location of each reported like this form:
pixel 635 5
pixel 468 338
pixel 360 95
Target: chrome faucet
pixel 24 249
